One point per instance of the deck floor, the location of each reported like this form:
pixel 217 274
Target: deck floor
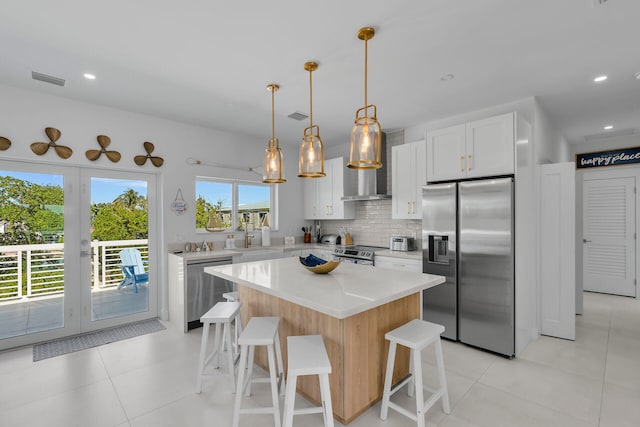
pixel 45 313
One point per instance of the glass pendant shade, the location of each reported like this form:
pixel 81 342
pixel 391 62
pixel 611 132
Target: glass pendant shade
pixel 273 170
pixel 366 142
pixel 366 135
pixel 311 159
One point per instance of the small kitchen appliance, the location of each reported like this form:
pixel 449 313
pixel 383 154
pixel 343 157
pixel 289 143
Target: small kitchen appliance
pixel 402 243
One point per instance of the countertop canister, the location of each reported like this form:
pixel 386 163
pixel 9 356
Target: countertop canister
pixel 266 236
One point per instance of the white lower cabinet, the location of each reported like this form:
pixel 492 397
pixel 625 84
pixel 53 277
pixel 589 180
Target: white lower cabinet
pixel 397 263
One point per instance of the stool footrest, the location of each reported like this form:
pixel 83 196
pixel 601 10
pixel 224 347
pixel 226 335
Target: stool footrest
pixel 261 410
pixel 403 411
pixel 400 384
pixel 307 411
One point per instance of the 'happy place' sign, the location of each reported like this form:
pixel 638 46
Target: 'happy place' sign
pixel 623 156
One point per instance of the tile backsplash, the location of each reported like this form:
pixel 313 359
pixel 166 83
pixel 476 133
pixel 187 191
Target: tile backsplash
pixel 373 225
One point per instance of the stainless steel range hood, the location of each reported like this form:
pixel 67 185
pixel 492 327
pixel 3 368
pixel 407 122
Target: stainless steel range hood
pixel 372 184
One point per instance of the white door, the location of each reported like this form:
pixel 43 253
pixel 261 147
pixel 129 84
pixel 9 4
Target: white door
pixel 557 250
pixel 609 235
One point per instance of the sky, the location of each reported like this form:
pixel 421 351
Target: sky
pixel 103 190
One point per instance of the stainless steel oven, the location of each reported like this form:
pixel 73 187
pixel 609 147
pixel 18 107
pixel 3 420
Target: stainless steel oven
pixel 364 255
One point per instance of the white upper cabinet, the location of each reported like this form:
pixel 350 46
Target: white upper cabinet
pixel 409 163
pixel 323 196
pixel 475 149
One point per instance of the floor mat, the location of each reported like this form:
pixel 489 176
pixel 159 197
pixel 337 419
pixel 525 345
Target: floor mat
pixel 94 339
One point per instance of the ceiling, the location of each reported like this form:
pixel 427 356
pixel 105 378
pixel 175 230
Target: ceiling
pixel 208 62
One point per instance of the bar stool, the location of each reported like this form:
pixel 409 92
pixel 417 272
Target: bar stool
pixel 223 313
pixel 416 335
pixel 260 331
pixel 307 355
pixel 231 297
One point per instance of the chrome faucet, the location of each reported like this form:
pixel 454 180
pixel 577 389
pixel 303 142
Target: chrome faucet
pixel 247 236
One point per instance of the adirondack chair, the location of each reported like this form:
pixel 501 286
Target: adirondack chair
pixel 133 270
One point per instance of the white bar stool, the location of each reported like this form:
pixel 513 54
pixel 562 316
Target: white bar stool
pixel 416 335
pixel 307 355
pixel 260 331
pixel 223 313
pixel 232 297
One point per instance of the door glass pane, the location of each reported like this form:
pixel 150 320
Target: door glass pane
pixel 119 248
pixel 31 253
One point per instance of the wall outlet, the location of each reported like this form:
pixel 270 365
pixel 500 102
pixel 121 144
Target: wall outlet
pixel 180 238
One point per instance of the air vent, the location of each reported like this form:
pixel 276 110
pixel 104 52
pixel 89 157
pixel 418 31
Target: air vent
pixel 296 115
pixel 611 134
pixel 597 3
pixel 47 78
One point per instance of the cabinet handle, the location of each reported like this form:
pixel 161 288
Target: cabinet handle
pixel 408 207
pixel 414 207
pixel 468 162
pixel 461 164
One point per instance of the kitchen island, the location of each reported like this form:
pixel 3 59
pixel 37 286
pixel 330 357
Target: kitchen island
pixel 352 308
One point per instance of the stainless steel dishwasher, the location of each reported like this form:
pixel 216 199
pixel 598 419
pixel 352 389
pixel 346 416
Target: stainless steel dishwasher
pixel 204 290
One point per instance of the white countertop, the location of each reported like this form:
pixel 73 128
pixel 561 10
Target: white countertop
pixel 349 289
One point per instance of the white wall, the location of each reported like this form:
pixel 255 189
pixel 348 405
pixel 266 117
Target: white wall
pixel 551 146
pixel 25 115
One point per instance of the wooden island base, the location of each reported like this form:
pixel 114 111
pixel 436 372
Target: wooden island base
pixel 356 346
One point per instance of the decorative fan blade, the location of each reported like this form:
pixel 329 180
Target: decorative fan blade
pixel 40 148
pixel 93 154
pixel 114 156
pixel 63 151
pixel 140 160
pixel 4 143
pixel 148 147
pixel 156 161
pixel 53 134
pixel 104 141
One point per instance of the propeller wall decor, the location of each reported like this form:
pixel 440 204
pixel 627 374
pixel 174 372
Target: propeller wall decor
pixel 103 141
pixel 5 143
pixel 141 160
pixel 54 134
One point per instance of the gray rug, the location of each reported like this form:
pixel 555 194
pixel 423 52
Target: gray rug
pixel 94 339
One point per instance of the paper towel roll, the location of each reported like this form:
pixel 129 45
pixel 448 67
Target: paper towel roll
pixel 266 236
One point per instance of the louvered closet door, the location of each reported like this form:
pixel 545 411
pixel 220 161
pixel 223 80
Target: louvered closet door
pixel 609 236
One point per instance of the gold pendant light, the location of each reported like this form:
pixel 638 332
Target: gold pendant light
pixel 273 171
pixel 311 161
pixel 366 136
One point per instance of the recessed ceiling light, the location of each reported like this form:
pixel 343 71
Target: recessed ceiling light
pixel 600 79
pixel 447 77
pixel 608 127
pixel 637 75
pixel 89 76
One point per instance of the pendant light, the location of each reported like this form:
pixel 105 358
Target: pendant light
pixel 311 161
pixel 366 136
pixel 273 172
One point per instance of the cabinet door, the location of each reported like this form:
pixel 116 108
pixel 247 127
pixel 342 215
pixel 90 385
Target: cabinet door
pixel 402 185
pixel 446 154
pixel 324 193
pixel 310 199
pixel 420 159
pixel 394 263
pixel 489 146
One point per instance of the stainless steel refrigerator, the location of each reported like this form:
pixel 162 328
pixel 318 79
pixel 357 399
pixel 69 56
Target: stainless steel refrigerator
pixel 467 236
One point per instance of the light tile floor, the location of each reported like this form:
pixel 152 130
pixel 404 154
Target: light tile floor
pixel 150 381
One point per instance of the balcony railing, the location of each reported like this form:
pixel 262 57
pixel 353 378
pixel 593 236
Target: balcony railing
pixel 35 270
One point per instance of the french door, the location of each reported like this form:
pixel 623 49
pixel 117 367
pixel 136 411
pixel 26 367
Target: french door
pixel 61 233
